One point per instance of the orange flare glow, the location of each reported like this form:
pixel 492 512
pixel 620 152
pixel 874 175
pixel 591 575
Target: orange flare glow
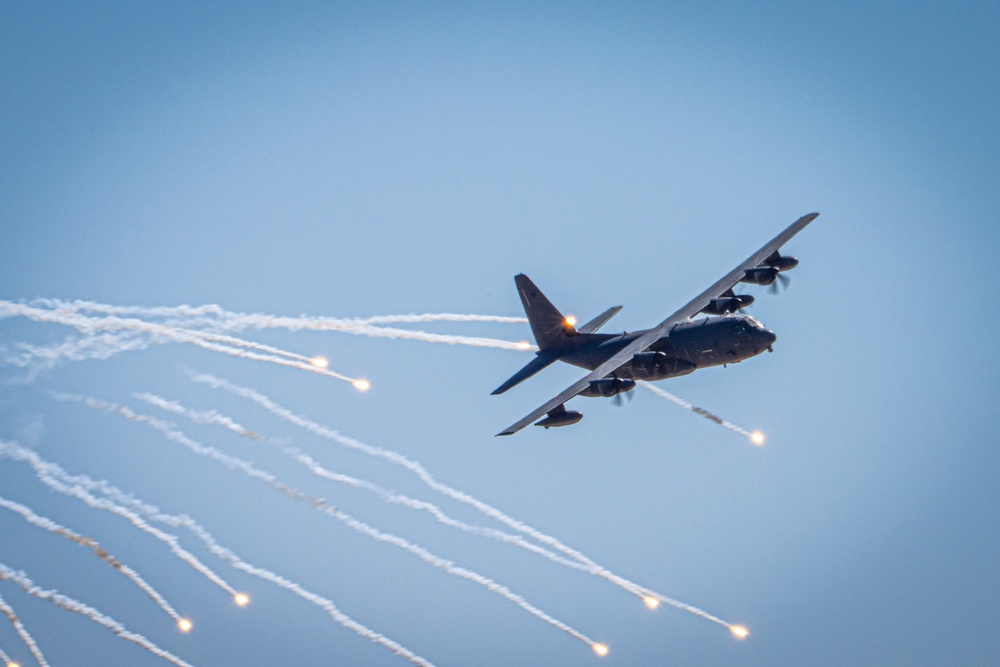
pixel 739 631
pixel 651 602
pixel 13 664
pixel 571 320
pixel 242 599
pixel 757 438
pixel 362 385
pixel 319 362
pixel 185 625
pixel 600 649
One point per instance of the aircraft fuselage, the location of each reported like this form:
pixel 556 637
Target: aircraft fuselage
pixel 688 346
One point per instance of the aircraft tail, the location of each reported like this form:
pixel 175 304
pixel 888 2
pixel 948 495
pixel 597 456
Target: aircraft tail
pixel 551 330
pixel 548 325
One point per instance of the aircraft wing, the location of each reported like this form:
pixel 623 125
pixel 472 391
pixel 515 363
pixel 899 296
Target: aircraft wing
pixel 692 308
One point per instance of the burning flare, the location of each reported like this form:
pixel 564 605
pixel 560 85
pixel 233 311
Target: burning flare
pixel 362 385
pixel 739 631
pixel 320 361
pixel 185 625
pixel 600 649
pixel 242 599
pixel 651 602
pixel 757 438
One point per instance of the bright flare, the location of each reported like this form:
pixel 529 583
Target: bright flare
pixel 651 602
pixel 571 321
pixel 523 345
pixel 600 649
pixel 757 438
pixel 13 664
pixel 185 625
pixel 320 362
pixel 242 599
pixel 362 385
pixel 739 631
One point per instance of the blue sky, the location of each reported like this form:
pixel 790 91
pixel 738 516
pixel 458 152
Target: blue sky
pixel 388 158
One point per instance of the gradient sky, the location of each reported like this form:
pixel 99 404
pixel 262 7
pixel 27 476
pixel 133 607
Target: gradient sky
pixel 385 158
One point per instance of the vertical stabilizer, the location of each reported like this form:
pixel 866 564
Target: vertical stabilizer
pixel 547 324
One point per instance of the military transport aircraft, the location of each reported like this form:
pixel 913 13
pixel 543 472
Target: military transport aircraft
pixel 676 346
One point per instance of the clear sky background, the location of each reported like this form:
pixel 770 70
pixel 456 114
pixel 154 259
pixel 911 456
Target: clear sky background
pixel 386 158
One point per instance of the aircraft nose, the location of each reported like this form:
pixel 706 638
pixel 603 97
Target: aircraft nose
pixel 768 337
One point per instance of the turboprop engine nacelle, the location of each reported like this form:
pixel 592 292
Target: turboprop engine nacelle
pixel 608 387
pixel 762 275
pixel 650 360
pixel 727 304
pixel 660 364
pixel 781 262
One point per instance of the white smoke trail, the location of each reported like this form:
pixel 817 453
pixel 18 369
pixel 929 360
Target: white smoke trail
pixel 46 470
pixel 441 317
pixel 59 311
pixel 325 324
pixel 436 512
pixel 6 658
pixel 214 417
pixel 38 358
pixel 425 476
pixel 215 342
pixel 698 411
pixel 197 416
pixel 323 603
pixel 23 633
pixel 19 453
pixel 93 545
pixel 227 316
pixel 96 346
pixel 182 311
pixel 322 505
pixel 69 604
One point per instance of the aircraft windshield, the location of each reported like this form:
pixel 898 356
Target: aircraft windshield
pixel 752 321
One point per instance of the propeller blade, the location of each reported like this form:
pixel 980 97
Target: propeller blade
pixel 617 401
pixel 781 282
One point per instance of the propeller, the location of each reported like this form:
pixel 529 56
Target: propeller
pixel 617 401
pixel 780 283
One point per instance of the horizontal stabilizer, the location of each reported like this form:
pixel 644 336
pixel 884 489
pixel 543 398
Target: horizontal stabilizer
pixel 541 361
pixel 599 321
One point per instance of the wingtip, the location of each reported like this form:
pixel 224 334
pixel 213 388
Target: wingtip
pixel 503 433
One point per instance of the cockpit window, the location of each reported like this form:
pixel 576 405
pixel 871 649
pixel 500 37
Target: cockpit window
pixel 753 322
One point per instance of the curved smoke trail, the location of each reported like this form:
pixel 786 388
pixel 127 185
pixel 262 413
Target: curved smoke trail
pixel 93 545
pixel 23 633
pixel 69 604
pixel 322 505
pixel 214 417
pixel 55 477
pixel 425 476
